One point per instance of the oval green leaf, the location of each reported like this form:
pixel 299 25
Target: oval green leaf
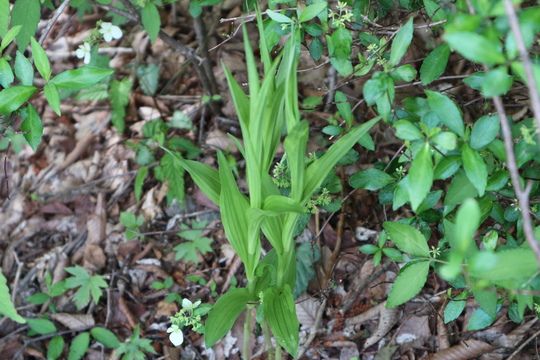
pixel 446 111
pixel 151 20
pixel 475 168
pixel 476 47
pixel 434 64
pixel 407 238
pixel 409 282
pixel 80 78
pixel 420 176
pixel 401 42
pixel 370 179
pixel 14 97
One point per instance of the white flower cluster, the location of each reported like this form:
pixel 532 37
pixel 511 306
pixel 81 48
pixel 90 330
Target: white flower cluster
pixel 184 318
pixel 108 31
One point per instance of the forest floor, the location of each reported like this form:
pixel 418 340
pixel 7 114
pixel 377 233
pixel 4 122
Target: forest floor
pixel 61 207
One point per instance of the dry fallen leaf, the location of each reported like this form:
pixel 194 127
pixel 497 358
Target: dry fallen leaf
pixel 388 319
pixel 74 321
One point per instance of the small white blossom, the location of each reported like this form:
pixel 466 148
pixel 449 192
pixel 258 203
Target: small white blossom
pixel 188 305
pixel 176 336
pixel 83 52
pixel 110 31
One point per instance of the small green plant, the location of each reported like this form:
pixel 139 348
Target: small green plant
pixel 134 349
pixel 188 251
pixel 190 315
pixel 132 223
pixel 88 285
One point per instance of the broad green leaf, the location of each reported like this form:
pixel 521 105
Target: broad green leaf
pixel 447 167
pixel 313 29
pixel 39 298
pixel 434 64
pixel 105 337
pixel 204 176
pixel 497 82
pixel 467 223
pixel 282 204
pixel 487 301
pixel 53 97
pixel 25 13
pixel 497 181
pixel 224 313
pixel 401 193
pixel 317 171
pixel 420 176
pixel 79 345
pixel 6 306
pixel 10 35
pixel 445 139
pixel 435 10
pixel 55 348
pixel 476 47
pixel 151 20
pixel 370 179
pixel 484 131
pixel 280 311
pixel 295 148
pixel 311 11
pixel 333 130
pixel 41 60
pixel 475 168
pixel 401 42
pixel 406 130
pixel 430 201
pixel 343 106
pixel 24 70
pixel 475 80
pixel 6 74
pixel 409 282
pixel 404 73
pixel 455 307
pixel 513 264
pixel 407 238
pixel 375 87
pixel 307 256
pixel 4 18
pixel 446 110
pixel 280 18
pixel 480 320
pixel 341 43
pixel 80 78
pixel 41 326
pixel 316 49
pixel 31 126
pixel 460 189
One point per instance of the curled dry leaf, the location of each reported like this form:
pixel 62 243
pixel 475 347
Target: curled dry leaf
pixel 388 319
pixel 366 315
pixel 219 140
pixel 466 350
pixel 306 310
pixel 74 321
pixel 442 330
pixel 516 336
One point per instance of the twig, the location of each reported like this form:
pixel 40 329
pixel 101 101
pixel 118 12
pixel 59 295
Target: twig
pixel 527 66
pixel 249 17
pixel 49 26
pixel 522 195
pixel 17 276
pixel 313 331
pixel 523 345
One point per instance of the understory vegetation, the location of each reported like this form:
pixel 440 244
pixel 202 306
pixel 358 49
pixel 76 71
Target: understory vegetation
pixel 265 179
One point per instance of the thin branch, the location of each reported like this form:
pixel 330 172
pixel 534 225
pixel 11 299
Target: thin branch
pixel 524 54
pixel 522 195
pixel 49 26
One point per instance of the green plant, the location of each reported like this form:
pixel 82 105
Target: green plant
pixel 135 347
pixel 271 280
pixel 188 251
pixel 132 223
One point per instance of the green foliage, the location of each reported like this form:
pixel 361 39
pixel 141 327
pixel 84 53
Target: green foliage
pixel 188 251
pixel 132 222
pixel 79 345
pixel 133 350
pixel 6 306
pixel 88 285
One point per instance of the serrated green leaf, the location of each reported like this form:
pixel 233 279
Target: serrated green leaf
pixel 476 47
pixel 10 35
pixel 311 11
pixel 139 182
pixel 25 13
pixel 370 179
pixel 53 97
pixel 224 313
pixel 31 126
pixel 460 189
pixel 434 64
pixel 41 326
pixel 409 282
pixel 407 238
pixel 174 172
pixel 41 60
pixel 447 111
pixel 79 345
pixel 105 337
pixel 24 70
pixel 475 168
pixel 6 74
pixel 81 78
pixel 420 176
pixel 148 76
pixel 88 285
pixel 280 312
pixel 455 307
pixel 120 95
pixel 151 20
pixel 401 42
pixel 6 306
pixel 484 131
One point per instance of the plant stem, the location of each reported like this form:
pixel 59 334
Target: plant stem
pixel 278 352
pixel 267 339
pixel 247 334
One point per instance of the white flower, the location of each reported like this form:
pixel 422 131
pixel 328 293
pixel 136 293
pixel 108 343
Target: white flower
pixel 176 336
pixel 188 305
pixel 83 52
pixel 110 31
